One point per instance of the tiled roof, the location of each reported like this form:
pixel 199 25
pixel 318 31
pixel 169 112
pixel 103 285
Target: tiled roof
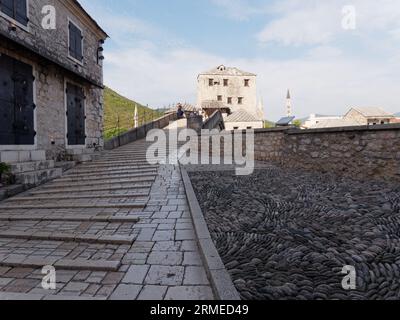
pixel 334 123
pixel 213 104
pixel 185 106
pixel 228 71
pixel 241 116
pixel 373 112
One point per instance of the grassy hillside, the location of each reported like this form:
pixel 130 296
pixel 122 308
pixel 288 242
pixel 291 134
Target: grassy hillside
pixel 118 107
pixel 269 124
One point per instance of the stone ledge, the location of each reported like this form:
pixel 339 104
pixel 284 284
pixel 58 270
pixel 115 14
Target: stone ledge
pixel 75 218
pixel 67 237
pixel 346 129
pixel 76 206
pixel 65 264
pixel 220 279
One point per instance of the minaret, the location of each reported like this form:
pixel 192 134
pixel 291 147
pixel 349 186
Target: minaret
pixel 289 104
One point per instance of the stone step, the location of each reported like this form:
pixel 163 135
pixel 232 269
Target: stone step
pixel 36 178
pixel 108 177
pixel 83 158
pixel 65 165
pixel 114 173
pixel 139 196
pixel 10 191
pixel 71 206
pixel 65 264
pixel 67 237
pixel 98 183
pixel 72 218
pixel 112 165
pixel 69 190
pixel 22 156
pixel 22 167
pixel 81 170
pixel 79 151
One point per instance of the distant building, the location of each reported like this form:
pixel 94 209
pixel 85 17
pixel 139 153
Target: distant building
pixel 354 117
pixel 234 93
pixel 315 120
pixel 369 116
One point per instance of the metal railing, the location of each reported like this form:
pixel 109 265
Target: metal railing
pixel 118 124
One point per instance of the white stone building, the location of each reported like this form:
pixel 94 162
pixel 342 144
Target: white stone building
pixel 235 93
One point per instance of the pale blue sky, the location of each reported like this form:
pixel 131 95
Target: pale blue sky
pixel 158 47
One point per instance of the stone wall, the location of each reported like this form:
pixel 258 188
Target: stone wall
pixel 361 152
pixel 47 52
pixel 53 44
pixel 49 97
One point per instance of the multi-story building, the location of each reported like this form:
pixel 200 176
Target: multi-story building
pixel 233 90
pixel 51 81
pixel 369 116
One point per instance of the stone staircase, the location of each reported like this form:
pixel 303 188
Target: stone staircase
pixel 80 222
pixel 29 168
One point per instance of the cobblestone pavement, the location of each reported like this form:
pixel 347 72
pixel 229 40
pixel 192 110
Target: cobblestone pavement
pixel 287 234
pixel 116 228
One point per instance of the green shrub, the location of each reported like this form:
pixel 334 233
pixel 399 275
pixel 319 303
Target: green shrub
pixel 4 168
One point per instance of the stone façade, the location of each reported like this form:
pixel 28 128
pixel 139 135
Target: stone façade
pixel 47 52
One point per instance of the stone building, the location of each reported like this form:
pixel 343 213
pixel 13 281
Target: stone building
pixel 51 81
pixel 369 116
pixel 234 92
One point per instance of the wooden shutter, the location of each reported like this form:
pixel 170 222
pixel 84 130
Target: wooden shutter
pixel 75 42
pixel 7 6
pixel 6 101
pixel 75 115
pixel 16 102
pixel 20 12
pixel 23 102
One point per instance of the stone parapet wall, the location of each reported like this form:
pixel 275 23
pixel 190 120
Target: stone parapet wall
pixel 361 152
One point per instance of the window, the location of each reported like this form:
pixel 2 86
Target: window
pixel 15 9
pixel 229 100
pixel 219 98
pixel 235 128
pixel 211 82
pixel 240 100
pixel 226 82
pixel 249 128
pixel 75 42
pixel 247 82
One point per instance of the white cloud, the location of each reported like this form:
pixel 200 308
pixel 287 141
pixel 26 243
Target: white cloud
pixel 311 22
pixel 319 84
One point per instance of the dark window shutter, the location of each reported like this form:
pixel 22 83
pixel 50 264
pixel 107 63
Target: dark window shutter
pixel 75 42
pixel 16 102
pixel 7 115
pixel 78 39
pixel 20 12
pixel 72 46
pixel 7 6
